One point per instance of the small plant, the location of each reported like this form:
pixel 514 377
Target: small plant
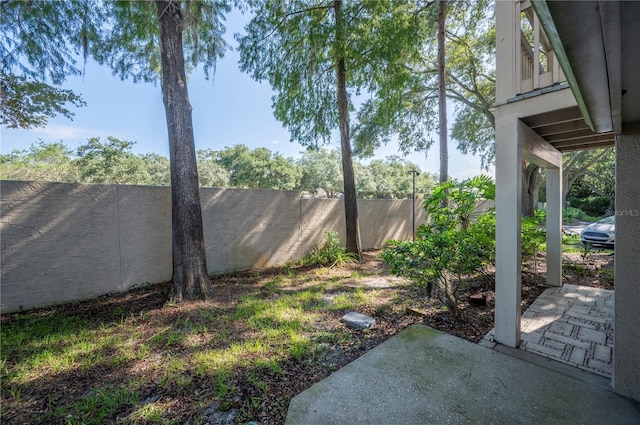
pixel 298 350
pixel 533 235
pixel 606 273
pixel 330 254
pixel 579 269
pixel 585 251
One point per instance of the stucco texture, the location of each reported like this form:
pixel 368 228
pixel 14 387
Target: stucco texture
pixel 64 242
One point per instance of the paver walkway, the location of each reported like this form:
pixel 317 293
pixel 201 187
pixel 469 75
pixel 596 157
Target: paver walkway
pixel 572 324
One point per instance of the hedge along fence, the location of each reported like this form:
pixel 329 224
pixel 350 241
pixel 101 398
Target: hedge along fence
pixel 64 242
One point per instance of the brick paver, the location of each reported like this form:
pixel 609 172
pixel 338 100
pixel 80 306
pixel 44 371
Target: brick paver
pixel 572 324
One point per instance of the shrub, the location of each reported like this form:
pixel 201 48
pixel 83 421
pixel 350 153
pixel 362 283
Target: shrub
pixel 330 253
pixel 455 243
pixel 533 234
pixel 594 206
pixel 571 214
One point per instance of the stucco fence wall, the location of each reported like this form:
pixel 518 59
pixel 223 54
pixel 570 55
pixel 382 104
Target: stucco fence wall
pixel 64 242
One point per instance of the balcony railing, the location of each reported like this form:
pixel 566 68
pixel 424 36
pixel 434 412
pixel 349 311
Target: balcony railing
pixel 537 65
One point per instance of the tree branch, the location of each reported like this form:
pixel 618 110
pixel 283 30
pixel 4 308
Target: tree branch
pixel 425 6
pixel 582 169
pixel 485 111
pixel 324 71
pixel 284 19
pixel 600 179
pixel 477 93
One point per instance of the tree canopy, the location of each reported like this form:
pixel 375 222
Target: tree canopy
pixel 39 44
pixel 112 160
pixel 470 77
pixel 258 168
pixel 316 55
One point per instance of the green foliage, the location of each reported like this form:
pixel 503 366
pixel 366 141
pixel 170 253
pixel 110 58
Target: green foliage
pixel 321 169
pixel 407 109
pixel 210 172
pixel 571 214
pixel 331 253
pixel 294 46
pixel 450 245
pixel 26 103
pixel 110 161
pixel 316 56
pixel 594 206
pixel 456 202
pixel 533 234
pixel 588 179
pixel 40 38
pixel 471 71
pixel 258 168
pixel 41 162
pixel 157 169
pixel 96 161
pixel 38 43
pixel 393 179
pixel 131 46
pixel 382 179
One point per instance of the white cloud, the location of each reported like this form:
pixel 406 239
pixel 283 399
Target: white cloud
pixel 65 132
pixel 274 142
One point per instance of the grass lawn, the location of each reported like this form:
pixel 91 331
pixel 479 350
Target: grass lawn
pixel 240 357
pixel 135 359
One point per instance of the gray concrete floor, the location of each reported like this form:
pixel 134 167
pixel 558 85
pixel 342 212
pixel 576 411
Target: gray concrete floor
pixel 422 376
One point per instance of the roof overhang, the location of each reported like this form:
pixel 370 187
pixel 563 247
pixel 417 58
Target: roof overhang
pixel 596 45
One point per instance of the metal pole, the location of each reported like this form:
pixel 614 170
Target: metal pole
pixel 414 173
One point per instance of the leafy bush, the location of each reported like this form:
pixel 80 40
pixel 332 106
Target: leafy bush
pixel 330 253
pixel 571 214
pixel 594 206
pixel 533 234
pixel 456 242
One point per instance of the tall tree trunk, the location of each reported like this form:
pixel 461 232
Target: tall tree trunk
pixel 442 93
pixel 530 188
pixel 190 279
pixel 350 200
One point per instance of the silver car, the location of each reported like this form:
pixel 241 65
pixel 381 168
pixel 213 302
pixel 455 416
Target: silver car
pixel 602 232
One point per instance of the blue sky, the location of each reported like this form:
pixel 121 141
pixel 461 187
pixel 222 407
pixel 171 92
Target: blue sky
pixel 231 109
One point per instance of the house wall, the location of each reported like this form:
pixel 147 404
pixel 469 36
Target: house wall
pixel 62 242
pixel 626 354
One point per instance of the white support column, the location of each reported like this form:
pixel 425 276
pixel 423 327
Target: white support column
pixel 536 52
pixel 508 212
pixel 506 59
pixel 554 226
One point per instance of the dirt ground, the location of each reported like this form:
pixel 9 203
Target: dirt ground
pixel 409 306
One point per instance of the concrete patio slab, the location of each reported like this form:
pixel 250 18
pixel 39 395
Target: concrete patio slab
pixel 422 376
